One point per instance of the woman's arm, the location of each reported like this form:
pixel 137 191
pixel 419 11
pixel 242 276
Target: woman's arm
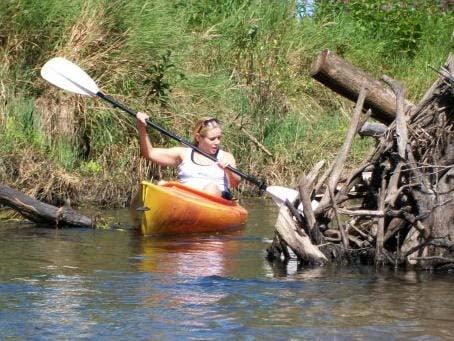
pixel 161 156
pixel 229 160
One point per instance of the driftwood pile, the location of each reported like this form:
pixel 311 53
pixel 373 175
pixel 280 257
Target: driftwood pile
pixel 398 207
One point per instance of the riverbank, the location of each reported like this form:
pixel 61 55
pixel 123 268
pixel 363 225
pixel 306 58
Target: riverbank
pixel 245 62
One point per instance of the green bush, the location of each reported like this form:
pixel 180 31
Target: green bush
pixel 245 61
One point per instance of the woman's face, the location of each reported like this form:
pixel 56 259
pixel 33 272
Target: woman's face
pixel 209 142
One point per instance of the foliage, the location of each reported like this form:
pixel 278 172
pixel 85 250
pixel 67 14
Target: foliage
pixel 245 61
pixel 157 78
pixel 397 24
pixel 90 168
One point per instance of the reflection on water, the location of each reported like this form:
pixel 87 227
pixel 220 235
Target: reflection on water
pixel 185 258
pixel 190 256
pixel 66 284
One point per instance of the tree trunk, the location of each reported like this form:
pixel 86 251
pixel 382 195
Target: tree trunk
pixel 347 80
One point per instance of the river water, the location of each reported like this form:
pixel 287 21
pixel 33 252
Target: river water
pixel 116 284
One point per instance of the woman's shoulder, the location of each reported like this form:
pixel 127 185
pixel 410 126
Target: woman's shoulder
pixel 227 156
pixel 180 152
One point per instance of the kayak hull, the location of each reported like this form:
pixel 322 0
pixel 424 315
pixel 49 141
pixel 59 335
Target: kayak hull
pixel 174 208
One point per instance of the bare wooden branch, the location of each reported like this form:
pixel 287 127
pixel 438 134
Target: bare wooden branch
pixel 339 161
pixel 440 258
pixel 394 226
pixel 401 125
pixel 304 192
pixel 393 192
pixel 42 213
pixel 300 244
pixel 255 141
pixel 366 213
pixel 343 234
pixel 380 224
pixel 310 178
pixel 363 121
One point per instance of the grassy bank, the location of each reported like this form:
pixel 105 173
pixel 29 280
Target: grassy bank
pixel 246 62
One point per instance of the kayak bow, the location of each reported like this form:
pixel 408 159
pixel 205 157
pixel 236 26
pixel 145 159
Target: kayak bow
pixel 174 208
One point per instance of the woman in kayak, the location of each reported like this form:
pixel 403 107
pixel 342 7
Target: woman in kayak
pixel 194 169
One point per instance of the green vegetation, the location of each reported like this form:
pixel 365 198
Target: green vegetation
pixel 244 61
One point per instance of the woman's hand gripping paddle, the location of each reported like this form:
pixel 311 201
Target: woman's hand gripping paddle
pixel 70 77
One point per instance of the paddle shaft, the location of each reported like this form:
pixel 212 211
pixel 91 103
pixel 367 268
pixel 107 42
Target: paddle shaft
pixel 261 185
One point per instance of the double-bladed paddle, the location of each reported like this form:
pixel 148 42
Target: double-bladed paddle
pixel 70 77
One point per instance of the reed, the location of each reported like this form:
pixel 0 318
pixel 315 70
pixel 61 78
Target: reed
pixel 246 62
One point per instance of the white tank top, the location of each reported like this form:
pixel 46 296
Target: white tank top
pixel 199 176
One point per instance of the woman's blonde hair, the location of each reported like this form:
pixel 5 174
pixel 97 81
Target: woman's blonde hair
pixel 203 125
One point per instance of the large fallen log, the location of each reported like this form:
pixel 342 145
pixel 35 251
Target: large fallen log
pixel 347 80
pixel 42 213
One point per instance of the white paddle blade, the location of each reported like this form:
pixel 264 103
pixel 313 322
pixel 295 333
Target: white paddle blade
pixel 68 76
pixel 279 194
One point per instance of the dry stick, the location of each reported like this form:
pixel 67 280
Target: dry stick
pixel 305 189
pixel 422 229
pixel 367 213
pixel 414 168
pixel 340 198
pixel 401 124
pixel 358 242
pixel 402 138
pixel 440 258
pixel 346 187
pixel 427 243
pixel 429 95
pixel 337 166
pixel 393 192
pixel 366 236
pixel 296 214
pixel 344 237
pixel 255 141
pixel 381 224
pixel 323 178
pixel 310 178
pixel 391 197
pixel 386 143
pixel 415 248
pixel 364 119
pixel 394 226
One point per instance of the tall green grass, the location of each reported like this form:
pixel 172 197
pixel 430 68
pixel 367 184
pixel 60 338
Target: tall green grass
pixel 244 61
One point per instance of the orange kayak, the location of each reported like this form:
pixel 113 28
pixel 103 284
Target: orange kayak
pixel 174 208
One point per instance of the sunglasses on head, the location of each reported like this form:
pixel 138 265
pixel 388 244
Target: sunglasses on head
pixel 207 122
pixel 211 120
